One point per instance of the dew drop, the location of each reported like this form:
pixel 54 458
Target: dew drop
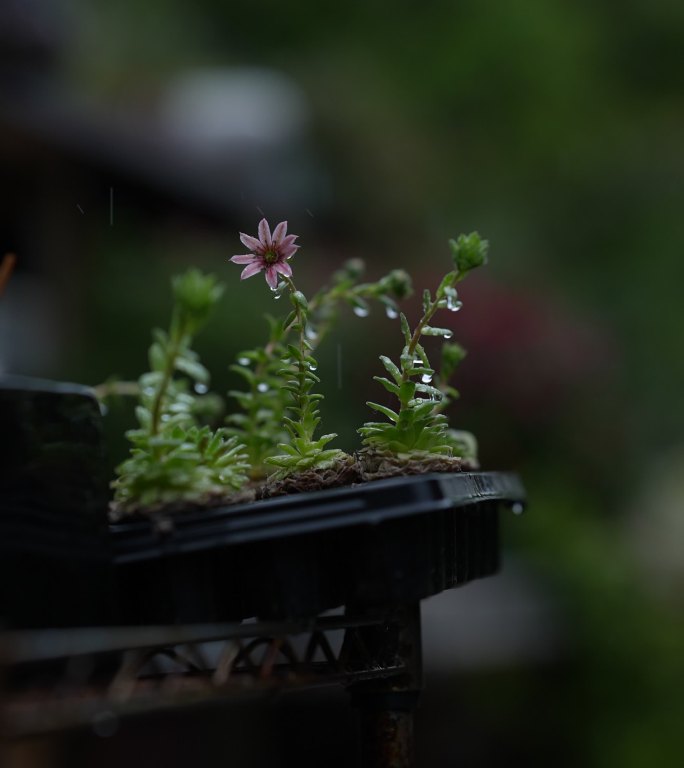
pixel 517 508
pixel 391 312
pixel 361 311
pixel 313 367
pixel 426 378
pixel 201 389
pixel 448 334
pixel 262 386
pixel 243 360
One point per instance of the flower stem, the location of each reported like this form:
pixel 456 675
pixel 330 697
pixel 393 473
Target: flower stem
pixel 175 340
pixel 425 319
pixel 301 400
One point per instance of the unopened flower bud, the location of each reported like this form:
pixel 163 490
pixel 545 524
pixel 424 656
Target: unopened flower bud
pixel 468 252
pixel 398 283
pixel 196 293
pixel 354 268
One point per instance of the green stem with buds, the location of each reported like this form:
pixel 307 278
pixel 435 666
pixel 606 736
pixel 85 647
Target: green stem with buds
pixel 303 452
pixel 176 338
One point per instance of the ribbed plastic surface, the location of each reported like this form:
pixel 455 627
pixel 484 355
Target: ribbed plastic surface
pixel 55 560
pixel 381 543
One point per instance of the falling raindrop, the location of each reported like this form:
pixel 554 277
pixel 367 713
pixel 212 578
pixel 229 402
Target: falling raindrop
pixel 262 386
pixel 201 389
pixel 339 366
pixel 243 360
pixel 426 378
pixel 361 311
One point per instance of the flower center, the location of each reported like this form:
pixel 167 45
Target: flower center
pixel 270 257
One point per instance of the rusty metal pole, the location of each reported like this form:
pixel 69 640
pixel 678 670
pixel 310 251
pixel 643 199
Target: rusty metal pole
pixel 386 705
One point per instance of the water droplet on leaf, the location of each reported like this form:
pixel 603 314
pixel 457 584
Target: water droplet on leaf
pixel 262 386
pixel 243 360
pixel 201 389
pixel 448 334
pixel 426 378
pixel 360 311
pixel 391 312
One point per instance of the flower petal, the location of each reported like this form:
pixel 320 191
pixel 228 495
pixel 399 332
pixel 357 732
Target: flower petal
pixel 248 258
pixel 265 234
pixel 284 268
pixel 288 251
pixel 251 269
pixel 279 232
pixel 252 243
pixel 272 277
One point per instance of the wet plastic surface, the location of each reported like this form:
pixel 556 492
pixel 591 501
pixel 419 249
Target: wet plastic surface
pixel 55 561
pixel 382 543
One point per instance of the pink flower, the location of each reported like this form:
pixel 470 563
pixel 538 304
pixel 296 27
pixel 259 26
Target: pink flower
pixel 269 252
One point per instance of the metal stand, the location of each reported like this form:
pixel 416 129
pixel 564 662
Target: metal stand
pixel 55 680
pixel 387 702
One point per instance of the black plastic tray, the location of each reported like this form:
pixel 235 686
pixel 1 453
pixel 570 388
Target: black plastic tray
pixel 378 544
pixel 55 560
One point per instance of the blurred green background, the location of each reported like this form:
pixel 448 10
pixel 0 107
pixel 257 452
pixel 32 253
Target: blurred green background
pixel 555 130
